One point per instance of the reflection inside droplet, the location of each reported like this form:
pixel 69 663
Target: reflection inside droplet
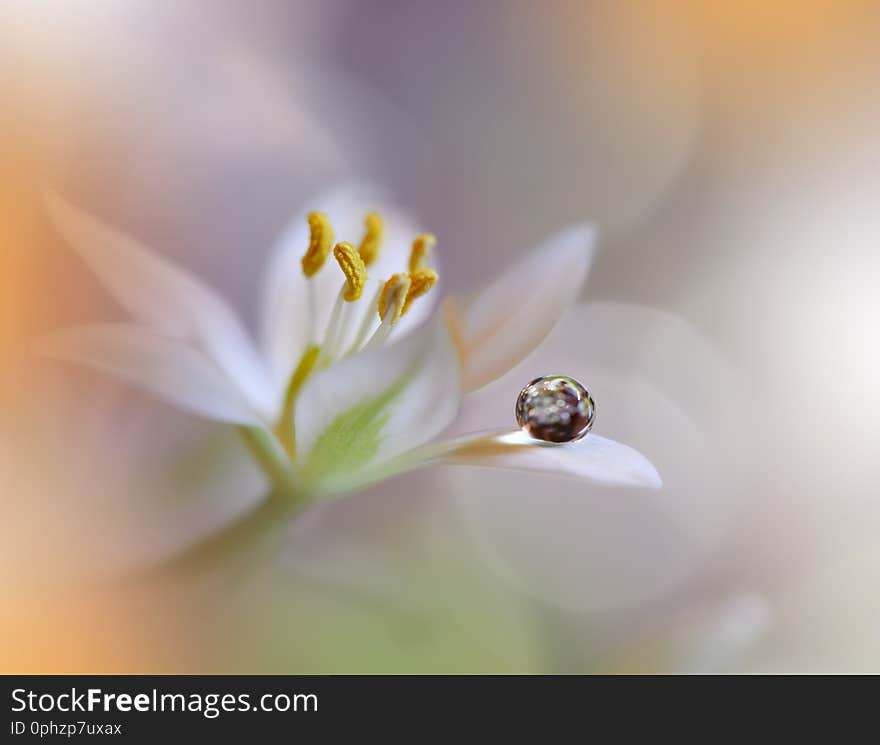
pixel 555 408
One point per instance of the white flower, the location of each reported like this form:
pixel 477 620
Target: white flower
pixel 330 402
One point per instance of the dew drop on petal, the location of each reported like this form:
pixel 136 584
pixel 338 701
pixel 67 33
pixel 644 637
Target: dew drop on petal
pixel 555 408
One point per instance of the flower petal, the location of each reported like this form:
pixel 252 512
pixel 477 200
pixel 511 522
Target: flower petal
pixel 164 366
pixel 167 297
pixel 377 404
pixel 285 312
pixel 594 458
pixel 504 323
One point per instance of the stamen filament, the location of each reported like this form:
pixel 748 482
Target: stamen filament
pixel 380 336
pixel 355 272
pixel 332 330
pixel 366 323
pixel 312 311
pixel 340 332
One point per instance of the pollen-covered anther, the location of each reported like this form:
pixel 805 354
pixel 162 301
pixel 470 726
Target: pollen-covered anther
pixel 393 297
pixel 353 268
pixel 320 241
pixel 421 281
pixel 372 241
pixel 422 247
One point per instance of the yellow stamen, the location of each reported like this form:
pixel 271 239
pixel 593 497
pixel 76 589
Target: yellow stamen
pixel 421 250
pixel 372 241
pixel 320 240
pixel 421 281
pixel 353 268
pixel 393 297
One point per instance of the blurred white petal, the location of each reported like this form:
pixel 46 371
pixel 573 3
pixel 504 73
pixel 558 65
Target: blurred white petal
pixel 285 302
pixel 506 321
pixel 164 366
pixel 659 387
pixel 411 392
pixel 157 292
pixel 704 638
pixel 593 458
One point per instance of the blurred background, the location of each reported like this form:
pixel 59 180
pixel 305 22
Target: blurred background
pixel 730 155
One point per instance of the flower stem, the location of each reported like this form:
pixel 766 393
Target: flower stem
pixel 255 531
pixel 253 535
pixel 272 458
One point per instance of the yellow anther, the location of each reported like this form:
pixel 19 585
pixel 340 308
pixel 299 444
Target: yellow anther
pixel 421 281
pixel 372 242
pixel 353 268
pixel 393 297
pixel 421 250
pixel 319 243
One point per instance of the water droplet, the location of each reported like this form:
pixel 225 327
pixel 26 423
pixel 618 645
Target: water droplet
pixel 555 408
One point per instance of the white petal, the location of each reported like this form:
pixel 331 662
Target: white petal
pixel 164 366
pixel 167 297
pixel 594 458
pixel 419 381
pixel 653 376
pixel 504 323
pixel 285 312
